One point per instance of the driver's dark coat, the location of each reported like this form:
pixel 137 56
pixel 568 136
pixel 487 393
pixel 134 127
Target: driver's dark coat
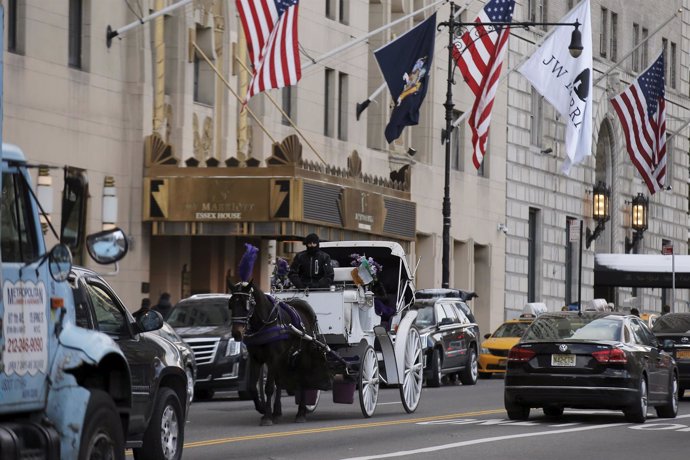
pixel 311 269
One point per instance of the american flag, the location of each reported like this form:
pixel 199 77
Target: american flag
pixel 270 27
pixel 642 111
pixel 479 54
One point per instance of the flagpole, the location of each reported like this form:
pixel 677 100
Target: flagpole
pixel 361 107
pixel 227 85
pixel 352 43
pixel 110 33
pixel 287 117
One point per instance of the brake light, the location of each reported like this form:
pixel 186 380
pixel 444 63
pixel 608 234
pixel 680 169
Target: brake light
pixel 521 354
pixel 610 356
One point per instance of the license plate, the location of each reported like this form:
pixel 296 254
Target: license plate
pixel 683 354
pixel 563 360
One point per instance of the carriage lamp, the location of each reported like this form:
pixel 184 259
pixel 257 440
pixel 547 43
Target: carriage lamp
pixel 109 212
pixel 639 220
pixel 600 210
pixel 44 192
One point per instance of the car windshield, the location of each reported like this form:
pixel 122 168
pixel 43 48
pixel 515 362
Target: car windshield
pixel 575 327
pixel 200 313
pixel 674 324
pixel 510 330
pixel 425 317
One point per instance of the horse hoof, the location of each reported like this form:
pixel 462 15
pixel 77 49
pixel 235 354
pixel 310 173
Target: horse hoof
pixel 266 422
pixel 300 419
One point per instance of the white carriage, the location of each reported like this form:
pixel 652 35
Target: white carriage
pixel 362 353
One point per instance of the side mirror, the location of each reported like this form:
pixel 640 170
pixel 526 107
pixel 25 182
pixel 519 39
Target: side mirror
pixel 149 321
pixel 60 262
pixel 487 335
pixel 108 246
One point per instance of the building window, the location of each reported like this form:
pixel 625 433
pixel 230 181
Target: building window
pixel 483 169
pixel 636 53
pixel 457 145
pixel 536 11
pixel 12 13
pixel 204 78
pixel 570 260
pixel 570 4
pixel 338 10
pixel 537 118
pixel 342 106
pixel 288 104
pixel 672 70
pixel 329 103
pixel 614 36
pixel 603 32
pixel 75 33
pixel 644 56
pixel 664 50
pixel 532 256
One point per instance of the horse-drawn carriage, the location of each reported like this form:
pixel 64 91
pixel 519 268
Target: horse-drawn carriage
pixel 352 335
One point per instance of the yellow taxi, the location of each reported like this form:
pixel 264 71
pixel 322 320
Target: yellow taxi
pixel 494 350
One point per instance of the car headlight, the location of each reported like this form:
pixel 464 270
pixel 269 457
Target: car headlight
pixel 484 351
pixel 233 348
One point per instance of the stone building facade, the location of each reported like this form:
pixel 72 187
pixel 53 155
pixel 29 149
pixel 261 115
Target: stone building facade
pixel 149 112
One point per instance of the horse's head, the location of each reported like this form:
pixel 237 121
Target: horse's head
pixel 241 306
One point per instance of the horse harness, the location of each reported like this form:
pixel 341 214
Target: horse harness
pixel 276 326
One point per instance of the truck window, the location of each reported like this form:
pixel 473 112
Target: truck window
pixel 19 239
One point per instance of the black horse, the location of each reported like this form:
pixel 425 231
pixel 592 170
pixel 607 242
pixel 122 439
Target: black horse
pixel 292 362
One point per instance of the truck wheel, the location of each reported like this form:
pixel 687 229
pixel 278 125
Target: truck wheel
pixel 101 437
pixel 164 435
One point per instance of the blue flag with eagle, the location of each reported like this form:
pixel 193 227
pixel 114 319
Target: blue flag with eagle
pixel 405 64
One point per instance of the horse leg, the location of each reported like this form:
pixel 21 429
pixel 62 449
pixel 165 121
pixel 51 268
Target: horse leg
pixel 267 419
pixel 301 416
pixel 277 405
pixel 255 388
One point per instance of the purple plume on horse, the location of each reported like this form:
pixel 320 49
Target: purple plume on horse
pixel 247 261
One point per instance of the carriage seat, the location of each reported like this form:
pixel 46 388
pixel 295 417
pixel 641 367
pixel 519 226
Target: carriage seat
pixel 343 275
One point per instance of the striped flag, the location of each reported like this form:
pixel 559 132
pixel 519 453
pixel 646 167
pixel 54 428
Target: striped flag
pixel 642 111
pixel 270 27
pixel 479 54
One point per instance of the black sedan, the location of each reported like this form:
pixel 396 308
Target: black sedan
pixel 592 360
pixel 673 330
pixel 160 379
pixel 203 321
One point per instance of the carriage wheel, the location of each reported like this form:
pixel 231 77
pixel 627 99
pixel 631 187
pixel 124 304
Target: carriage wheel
pixel 413 370
pixel 368 382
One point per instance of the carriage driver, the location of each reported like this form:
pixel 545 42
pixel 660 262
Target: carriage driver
pixel 311 268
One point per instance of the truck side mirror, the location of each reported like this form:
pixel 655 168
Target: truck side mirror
pixel 60 262
pixel 108 246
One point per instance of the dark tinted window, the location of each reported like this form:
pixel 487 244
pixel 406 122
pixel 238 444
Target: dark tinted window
pixel 425 316
pixel 510 330
pixel 674 324
pixel 575 327
pixel 200 313
pixel 109 317
pixel 18 233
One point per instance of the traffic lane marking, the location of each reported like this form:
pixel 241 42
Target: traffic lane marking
pixel 357 426
pixel 426 450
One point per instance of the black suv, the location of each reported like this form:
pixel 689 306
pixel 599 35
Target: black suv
pixel 203 321
pixel 160 373
pixel 450 335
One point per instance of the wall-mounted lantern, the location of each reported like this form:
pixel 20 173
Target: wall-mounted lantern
pixel 109 212
pixel 639 220
pixel 44 192
pixel 600 210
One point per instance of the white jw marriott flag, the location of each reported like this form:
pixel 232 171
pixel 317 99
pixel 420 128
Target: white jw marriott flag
pixel 566 82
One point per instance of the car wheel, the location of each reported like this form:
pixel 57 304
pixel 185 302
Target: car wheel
pixel 436 370
pixel 204 395
pixel 164 436
pixel 516 411
pixel 101 436
pixel 637 413
pixel 553 411
pixel 670 409
pixel 484 375
pixel 469 375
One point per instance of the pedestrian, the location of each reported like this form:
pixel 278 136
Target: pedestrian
pixel 665 309
pixel 635 311
pixel 145 307
pixel 163 306
pixel 312 267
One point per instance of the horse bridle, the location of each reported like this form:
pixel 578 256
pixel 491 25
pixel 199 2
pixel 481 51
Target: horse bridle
pixel 250 303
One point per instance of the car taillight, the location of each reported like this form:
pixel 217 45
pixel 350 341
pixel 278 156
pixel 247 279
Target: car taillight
pixel 611 356
pixel 521 354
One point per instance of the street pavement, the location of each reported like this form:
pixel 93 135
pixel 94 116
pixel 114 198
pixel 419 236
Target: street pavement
pixel 451 422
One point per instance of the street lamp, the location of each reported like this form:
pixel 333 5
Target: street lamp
pixel 454 27
pixel 600 210
pixel 640 220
